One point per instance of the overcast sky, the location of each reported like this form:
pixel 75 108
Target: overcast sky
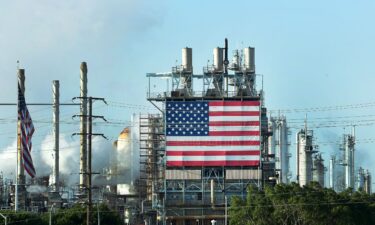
pixel 315 55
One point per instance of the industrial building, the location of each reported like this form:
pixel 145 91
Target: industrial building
pixel 208 143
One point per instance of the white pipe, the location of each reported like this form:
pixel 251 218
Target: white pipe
pixel 226 210
pixel 212 192
pixel 98 214
pixel 5 218
pixel 50 214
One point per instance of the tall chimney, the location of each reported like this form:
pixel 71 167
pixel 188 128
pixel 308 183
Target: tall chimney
pixel 83 126
pixel 56 131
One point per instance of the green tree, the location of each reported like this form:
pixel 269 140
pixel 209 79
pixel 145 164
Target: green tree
pixel 309 205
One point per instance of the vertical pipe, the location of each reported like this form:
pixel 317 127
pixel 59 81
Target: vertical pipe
pixel 56 131
pixel 226 211
pixel 98 214
pixel 297 155
pixel 331 172
pixel 83 126
pixel 212 192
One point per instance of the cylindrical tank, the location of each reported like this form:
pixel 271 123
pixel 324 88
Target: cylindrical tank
pixel 218 59
pixel 187 60
pixel 249 59
pixel 304 151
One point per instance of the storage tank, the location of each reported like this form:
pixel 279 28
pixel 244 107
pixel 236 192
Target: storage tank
pixel 249 59
pixel 218 59
pixel 187 60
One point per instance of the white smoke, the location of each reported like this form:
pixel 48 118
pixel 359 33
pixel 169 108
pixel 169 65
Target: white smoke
pixel 36 189
pixel 70 157
pixel 8 160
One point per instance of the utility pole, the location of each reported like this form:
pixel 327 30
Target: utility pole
pixel 88 136
pixel 89 157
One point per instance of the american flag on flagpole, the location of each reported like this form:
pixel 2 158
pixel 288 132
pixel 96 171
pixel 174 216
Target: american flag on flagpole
pixel 27 130
pixel 213 133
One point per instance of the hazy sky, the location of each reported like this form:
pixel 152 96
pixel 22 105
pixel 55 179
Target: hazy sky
pixel 313 54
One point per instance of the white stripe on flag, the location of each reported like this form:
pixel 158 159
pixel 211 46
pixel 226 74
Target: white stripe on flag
pixel 214 148
pixel 212 138
pixel 234 118
pixel 233 108
pixel 234 128
pixel 212 158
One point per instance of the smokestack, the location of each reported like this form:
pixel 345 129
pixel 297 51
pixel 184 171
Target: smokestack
pixel 83 126
pixel 56 131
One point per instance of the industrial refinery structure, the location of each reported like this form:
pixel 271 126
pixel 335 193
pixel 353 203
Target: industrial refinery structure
pixel 211 140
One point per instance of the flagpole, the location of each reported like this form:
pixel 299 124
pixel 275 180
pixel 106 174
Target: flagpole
pixel 20 172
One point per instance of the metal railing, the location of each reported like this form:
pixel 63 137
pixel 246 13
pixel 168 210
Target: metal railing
pixel 194 94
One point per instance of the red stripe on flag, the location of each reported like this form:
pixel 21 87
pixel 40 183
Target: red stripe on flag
pixel 234 103
pixel 233 123
pixel 211 143
pixel 211 153
pixel 234 133
pixel 234 113
pixel 214 163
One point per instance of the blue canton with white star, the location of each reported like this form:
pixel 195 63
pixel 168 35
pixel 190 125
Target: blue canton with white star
pixel 187 118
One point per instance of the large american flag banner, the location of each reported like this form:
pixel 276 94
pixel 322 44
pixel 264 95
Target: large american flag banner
pixel 213 133
pixel 27 130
